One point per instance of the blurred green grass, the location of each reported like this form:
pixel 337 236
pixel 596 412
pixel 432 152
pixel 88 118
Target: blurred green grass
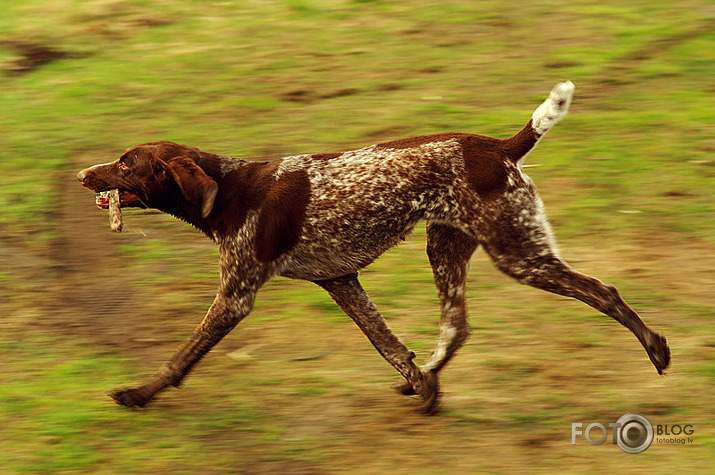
pixel 626 178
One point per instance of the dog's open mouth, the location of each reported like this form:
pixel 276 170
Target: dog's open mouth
pixel 126 200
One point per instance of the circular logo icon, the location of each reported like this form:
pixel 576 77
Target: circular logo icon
pixel 635 433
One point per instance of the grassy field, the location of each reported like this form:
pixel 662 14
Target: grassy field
pixel 628 179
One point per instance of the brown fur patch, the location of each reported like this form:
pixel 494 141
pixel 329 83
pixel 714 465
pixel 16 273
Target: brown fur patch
pixel 325 156
pixel 484 164
pixel 418 141
pixel 240 191
pixel 281 216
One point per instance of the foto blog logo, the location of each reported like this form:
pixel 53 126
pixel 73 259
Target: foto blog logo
pixel 632 433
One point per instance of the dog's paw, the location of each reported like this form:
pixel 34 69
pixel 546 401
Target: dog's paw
pixel 406 389
pixel 659 353
pixel 429 392
pixel 135 397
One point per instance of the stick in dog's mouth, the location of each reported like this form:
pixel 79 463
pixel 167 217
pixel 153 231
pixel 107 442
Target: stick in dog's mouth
pixel 115 211
pixel 114 201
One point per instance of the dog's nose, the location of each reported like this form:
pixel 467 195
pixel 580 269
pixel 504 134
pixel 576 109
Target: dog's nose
pixel 81 175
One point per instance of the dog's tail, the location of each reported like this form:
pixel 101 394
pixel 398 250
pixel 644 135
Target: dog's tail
pixel 552 110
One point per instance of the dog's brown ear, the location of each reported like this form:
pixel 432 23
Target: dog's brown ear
pixel 197 187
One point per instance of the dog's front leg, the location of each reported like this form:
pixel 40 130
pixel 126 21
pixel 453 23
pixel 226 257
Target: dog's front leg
pixel 228 309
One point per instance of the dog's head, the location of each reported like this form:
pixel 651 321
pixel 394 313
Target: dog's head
pixel 160 175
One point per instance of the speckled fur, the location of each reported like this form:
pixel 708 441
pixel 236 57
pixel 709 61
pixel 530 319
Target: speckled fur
pixel 323 217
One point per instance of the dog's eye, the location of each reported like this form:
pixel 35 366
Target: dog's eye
pixel 123 167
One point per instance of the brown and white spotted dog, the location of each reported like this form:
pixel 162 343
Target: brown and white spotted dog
pixel 323 217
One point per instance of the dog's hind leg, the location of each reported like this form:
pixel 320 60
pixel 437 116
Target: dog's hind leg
pixel 449 251
pixel 519 241
pixel 352 299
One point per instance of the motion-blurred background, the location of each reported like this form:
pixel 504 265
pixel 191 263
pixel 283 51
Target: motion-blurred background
pixel 627 178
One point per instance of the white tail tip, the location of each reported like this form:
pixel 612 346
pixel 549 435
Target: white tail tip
pixel 554 108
